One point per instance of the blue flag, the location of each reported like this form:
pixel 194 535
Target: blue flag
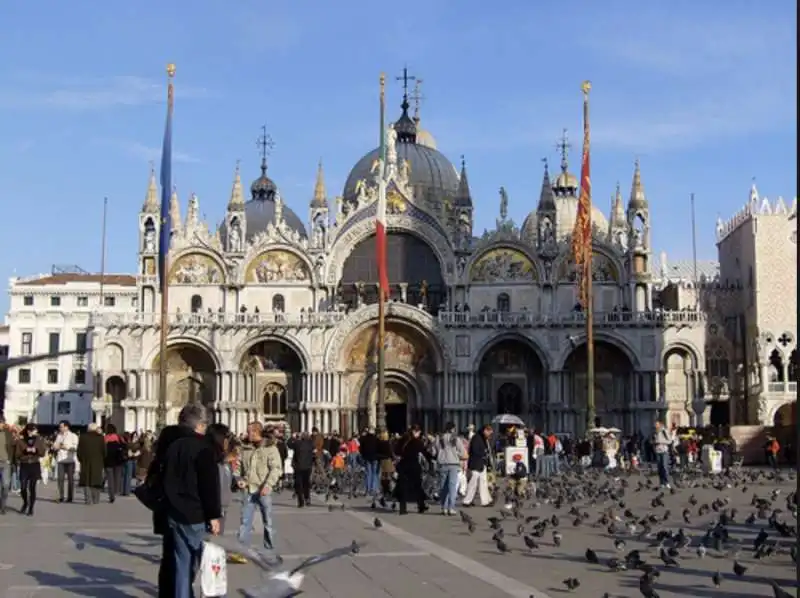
pixel 166 193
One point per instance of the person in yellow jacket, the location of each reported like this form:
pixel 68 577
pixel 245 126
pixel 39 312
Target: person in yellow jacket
pixel 261 469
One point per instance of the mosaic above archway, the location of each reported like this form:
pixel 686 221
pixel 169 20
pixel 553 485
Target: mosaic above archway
pixel 277 266
pixel 603 269
pixel 503 265
pixel 404 349
pixel 195 268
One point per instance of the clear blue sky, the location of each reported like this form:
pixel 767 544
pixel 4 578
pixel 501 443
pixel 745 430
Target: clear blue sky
pixel 703 92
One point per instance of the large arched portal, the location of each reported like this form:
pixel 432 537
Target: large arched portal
pixel 191 377
pixel 410 365
pixel 115 391
pixel 273 371
pixel 415 275
pixel 511 379
pixel 613 378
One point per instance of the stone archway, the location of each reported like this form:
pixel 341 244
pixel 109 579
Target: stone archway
pixel 191 376
pixel 613 378
pixel 786 415
pixel 273 379
pixel 512 379
pixel 410 364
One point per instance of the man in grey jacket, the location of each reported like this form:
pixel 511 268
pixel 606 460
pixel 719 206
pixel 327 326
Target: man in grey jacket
pixel 451 457
pixel 662 446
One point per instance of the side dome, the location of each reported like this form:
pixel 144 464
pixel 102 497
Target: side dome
pixel 260 209
pixel 566 213
pixel 433 176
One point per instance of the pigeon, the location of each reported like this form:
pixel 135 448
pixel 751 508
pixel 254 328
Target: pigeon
pixel 572 583
pixel 739 569
pixel 716 579
pixel 377 523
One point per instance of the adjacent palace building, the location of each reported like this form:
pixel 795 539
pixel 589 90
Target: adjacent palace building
pixel 275 318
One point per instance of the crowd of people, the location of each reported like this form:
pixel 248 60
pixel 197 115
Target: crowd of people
pixel 193 472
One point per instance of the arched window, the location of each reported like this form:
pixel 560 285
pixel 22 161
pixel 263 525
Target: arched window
pixel 278 304
pixel 275 401
pixel 503 302
pixel 197 303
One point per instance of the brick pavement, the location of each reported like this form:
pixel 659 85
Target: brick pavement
pixel 108 551
pixel 547 567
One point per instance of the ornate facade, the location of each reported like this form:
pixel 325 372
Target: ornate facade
pixel 270 320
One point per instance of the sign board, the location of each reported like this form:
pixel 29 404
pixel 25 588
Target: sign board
pixel 514 455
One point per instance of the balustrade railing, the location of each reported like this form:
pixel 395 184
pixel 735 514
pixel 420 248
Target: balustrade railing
pixel 782 387
pixel 254 320
pixel 465 319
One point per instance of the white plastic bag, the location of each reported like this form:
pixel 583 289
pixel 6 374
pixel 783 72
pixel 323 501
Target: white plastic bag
pixel 213 572
pixel 462 483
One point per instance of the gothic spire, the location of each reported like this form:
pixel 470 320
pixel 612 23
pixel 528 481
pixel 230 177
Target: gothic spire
pixel 175 212
pixel 463 195
pixel 618 209
pixel 547 199
pixel 151 197
pixel 637 199
pixel 236 201
pixel 405 126
pixel 320 199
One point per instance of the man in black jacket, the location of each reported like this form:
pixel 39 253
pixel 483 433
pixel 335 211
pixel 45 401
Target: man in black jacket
pixel 190 479
pixel 302 463
pixel 368 447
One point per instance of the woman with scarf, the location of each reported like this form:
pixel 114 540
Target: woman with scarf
pixel 29 450
pixel 411 450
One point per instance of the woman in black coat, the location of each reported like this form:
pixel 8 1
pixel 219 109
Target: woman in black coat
pixel 409 470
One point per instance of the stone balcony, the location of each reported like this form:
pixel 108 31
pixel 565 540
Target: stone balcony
pixel 782 388
pixel 495 319
pixel 218 320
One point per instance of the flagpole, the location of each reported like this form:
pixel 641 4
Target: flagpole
pixel 103 253
pixel 380 407
pixel 586 188
pixel 166 191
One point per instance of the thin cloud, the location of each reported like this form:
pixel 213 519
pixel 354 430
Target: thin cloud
pixel 110 92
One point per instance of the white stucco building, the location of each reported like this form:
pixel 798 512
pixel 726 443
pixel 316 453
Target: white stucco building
pixel 273 319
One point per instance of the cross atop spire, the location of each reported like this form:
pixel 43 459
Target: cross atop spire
pixel 265 145
pixel 405 78
pixel 563 146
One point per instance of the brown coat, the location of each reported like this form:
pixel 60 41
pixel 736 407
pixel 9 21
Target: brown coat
pixel 24 457
pixel 91 455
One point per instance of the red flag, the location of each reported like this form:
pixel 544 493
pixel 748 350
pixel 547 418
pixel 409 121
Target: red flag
pixel 582 234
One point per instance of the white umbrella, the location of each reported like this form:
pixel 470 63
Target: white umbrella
pixel 506 419
pixel 599 430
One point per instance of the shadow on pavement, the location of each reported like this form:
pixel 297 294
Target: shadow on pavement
pixel 89 575
pixel 82 540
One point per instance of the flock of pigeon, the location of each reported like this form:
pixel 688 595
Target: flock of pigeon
pixel 672 526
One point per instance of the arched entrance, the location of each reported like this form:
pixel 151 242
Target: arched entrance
pixel 786 415
pixel 116 390
pixel 399 397
pixel 414 272
pixel 612 385
pixel 273 372
pixel 511 379
pixel 191 376
pixel 509 399
pixel 410 363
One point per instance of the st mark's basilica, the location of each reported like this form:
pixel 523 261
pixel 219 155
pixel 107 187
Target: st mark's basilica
pixel 274 318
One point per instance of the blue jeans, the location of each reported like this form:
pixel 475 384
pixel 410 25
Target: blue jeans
pixel 371 473
pixel 127 476
pixel 449 491
pixel 264 504
pixel 662 463
pixel 15 478
pixel 187 549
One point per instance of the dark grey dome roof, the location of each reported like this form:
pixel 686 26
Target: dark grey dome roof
pixel 432 174
pixel 261 212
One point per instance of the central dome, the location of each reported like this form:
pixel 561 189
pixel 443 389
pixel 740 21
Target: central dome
pixel 433 176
